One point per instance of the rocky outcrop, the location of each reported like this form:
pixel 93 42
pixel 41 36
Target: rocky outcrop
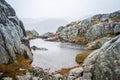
pixel 102 29
pixel 46 35
pixel 97 43
pixel 37 48
pixel 90 29
pixel 12 37
pixel 32 34
pixel 104 63
pixel 49 36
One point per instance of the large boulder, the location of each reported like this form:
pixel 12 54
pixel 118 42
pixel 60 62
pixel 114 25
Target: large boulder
pixel 104 63
pixel 13 45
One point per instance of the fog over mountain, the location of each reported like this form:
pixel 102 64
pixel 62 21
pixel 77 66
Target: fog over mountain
pixel 68 9
pixel 43 25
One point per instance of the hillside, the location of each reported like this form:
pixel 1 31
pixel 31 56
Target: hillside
pixel 90 29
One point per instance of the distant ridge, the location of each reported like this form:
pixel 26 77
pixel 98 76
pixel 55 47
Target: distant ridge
pixel 43 25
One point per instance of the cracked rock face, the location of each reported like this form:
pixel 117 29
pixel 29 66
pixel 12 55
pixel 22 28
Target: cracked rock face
pixel 12 33
pixel 104 63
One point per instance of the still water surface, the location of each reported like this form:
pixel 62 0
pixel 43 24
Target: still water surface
pixel 59 55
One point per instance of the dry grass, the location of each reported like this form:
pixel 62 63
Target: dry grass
pixel 64 71
pixel 95 41
pixel 81 57
pixel 116 20
pixel 12 69
pixel 53 35
pixel 31 36
pixel 95 21
pixel 80 39
pixel 110 36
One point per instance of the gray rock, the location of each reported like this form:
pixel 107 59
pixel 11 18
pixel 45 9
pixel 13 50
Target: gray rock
pixel 32 34
pixel 97 44
pixel 76 72
pixel 60 29
pixel 117 29
pixel 100 30
pixel 115 15
pixel 27 76
pixel 36 78
pixel 7 78
pixel 103 64
pixel 37 48
pixel 92 28
pixel 69 33
pixel 12 34
pixel 58 77
pixel 46 35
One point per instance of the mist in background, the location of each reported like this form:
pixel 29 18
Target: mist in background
pixel 43 25
pixel 72 9
pixel 44 14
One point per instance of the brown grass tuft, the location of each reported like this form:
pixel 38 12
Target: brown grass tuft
pixel 64 71
pixel 13 69
pixel 116 20
pixel 81 57
pixel 79 39
pixel 95 21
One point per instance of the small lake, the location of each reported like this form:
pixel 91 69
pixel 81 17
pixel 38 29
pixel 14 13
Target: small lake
pixel 59 55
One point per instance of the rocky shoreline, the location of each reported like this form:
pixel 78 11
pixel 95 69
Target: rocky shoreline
pixel 100 33
pixel 96 33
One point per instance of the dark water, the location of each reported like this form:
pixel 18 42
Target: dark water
pixel 59 55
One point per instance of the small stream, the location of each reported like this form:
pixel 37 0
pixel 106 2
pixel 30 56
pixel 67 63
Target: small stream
pixel 59 55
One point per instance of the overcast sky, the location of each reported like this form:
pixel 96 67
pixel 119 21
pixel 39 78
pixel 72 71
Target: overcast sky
pixel 73 9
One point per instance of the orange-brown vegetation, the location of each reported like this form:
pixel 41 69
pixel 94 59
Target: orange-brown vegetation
pixel 12 69
pixel 95 21
pixel 115 20
pixel 81 57
pixel 110 36
pixel 53 35
pixel 64 71
pixel 32 36
pixel 95 41
pixel 79 39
